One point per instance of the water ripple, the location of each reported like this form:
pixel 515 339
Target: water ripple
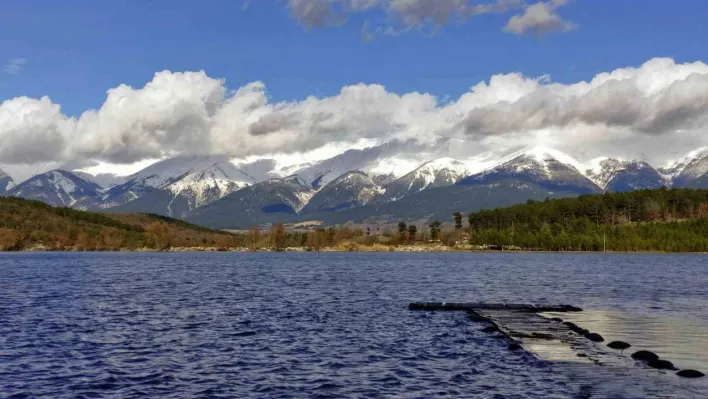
pixel 316 325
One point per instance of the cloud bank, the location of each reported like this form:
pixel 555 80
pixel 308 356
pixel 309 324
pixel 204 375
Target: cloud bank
pixel 403 16
pixel 645 109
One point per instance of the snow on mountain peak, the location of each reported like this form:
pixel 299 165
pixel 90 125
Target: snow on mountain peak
pixel 6 181
pixel 603 170
pixel 690 163
pixel 393 166
pixel 537 158
pixel 164 173
pixel 59 188
pixel 448 169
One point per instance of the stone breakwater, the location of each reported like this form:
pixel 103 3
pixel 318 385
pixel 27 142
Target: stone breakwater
pixel 524 326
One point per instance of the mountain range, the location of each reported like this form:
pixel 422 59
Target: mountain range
pixel 356 186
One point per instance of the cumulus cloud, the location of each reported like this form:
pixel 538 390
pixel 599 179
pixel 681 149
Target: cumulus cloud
pixel 191 113
pixel 539 19
pixel 660 97
pixel 14 66
pixel 171 113
pixel 32 130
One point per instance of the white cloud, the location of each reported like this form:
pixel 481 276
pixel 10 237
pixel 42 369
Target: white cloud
pixel 539 19
pixel 32 130
pixel 14 66
pixel 403 15
pixel 640 111
pixel 173 112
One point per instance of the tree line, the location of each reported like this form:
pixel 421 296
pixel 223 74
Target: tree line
pixel 673 220
pixel 669 220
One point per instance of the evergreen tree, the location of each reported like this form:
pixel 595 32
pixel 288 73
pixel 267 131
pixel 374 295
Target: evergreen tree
pixel 435 230
pixel 402 231
pixel 457 217
pixel 412 230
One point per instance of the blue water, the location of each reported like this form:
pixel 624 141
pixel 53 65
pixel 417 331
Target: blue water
pixel 307 325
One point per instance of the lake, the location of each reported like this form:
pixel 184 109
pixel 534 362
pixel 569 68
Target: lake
pixel 321 325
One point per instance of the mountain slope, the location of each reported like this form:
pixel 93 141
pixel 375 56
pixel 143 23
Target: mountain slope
pixel 265 202
pixel 439 203
pixel 436 173
pixel 692 170
pixel 349 190
pixel 545 167
pixel 615 175
pixel 378 160
pixel 6 182
pixel 175 186
pixel 59 188
pixel 31 224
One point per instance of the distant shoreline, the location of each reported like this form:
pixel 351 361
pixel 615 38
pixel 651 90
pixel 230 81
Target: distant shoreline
pixel 406 249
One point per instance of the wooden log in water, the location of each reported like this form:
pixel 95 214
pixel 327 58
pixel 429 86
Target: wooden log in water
pixel 471 306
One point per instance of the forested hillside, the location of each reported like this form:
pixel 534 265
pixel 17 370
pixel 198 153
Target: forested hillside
pixel 646 220
pixel 28 224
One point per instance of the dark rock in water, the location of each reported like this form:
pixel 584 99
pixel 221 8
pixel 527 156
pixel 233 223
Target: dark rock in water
pixel 661 364
pixel 619 345
pixel 475 317
pixel 594 337
pixel 558 319
pixel 514 347
pixel 582 355
pixel 645 356
pixel 576 329
pixel 690 374
pixel 490 329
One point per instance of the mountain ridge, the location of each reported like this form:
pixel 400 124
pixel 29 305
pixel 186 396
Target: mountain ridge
pixel 189 187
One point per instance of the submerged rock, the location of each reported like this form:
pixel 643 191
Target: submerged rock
pixel 594 337
pixel 661 364
pixel 538 335
pixel 475 317
pixel 619 345
pixel 514 347
pixel 645 356
pixel 690 373
pixel 570 325
pixel 490 329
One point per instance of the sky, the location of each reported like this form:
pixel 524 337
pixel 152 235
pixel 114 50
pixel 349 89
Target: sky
pixel 121 83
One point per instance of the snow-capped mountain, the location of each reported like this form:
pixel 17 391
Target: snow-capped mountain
pixel 59 188
pixel 436 173
pixel 617 175
pixel 352 189
pixel 368 183
pixel 105 180
pixel 691 170
pixel 268 201
pixel 546 167
pixel 176 186
pixel 375 161
pixel 6 182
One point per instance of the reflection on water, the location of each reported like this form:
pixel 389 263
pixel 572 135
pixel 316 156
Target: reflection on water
pixel 682 341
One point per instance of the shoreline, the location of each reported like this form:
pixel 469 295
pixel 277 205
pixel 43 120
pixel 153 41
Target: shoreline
pixel 408 249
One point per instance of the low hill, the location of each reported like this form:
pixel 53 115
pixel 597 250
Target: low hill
pixel 26 224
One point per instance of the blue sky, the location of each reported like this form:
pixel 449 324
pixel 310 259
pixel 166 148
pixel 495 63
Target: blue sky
pixel 75 50
pixel 305 77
